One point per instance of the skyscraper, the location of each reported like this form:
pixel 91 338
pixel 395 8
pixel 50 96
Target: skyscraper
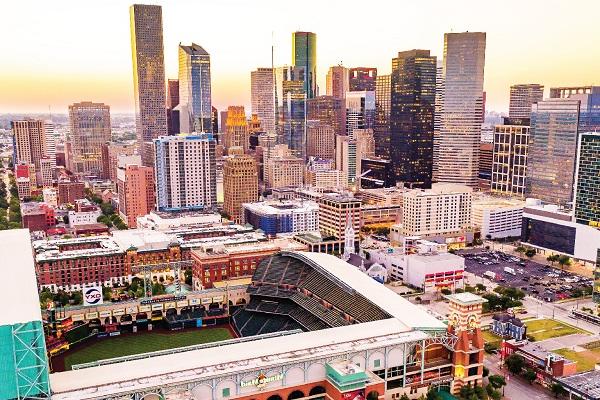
pixel 589 110
pixel 236 129
pixel 194 89
pixel 456 147
pixel 29 141
pixel 509 157
pixel 362 79
pixel 587 183
pixel 136 192
pixel 185 172
pixel 89 125
pixel 172 102
pixel 383 106
pixel 320 140
pixel 262 90
pixel 552 150
pixel 293 117
pixel 411 118
pixel 148 77
pixel 336 82
pixel 328 110
pixel 51 141
pixel 360 111
pixel 522 97
pixel 240 184
pixel 304 55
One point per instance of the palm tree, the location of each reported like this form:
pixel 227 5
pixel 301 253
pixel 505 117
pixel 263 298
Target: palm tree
pixel 564 260
pixel 552 259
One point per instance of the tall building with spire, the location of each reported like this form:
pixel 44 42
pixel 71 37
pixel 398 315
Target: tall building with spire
pixel 304 55
pixel 195 113
pixel 148 77
pixel 456 147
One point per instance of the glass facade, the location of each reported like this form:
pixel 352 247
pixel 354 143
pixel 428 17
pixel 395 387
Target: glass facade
pixel 304 55
pixel 362 79
pixel 587 188
pixel 413 84
pixel 194 89
pixel 383 105
pixel 294 111
pixel 360 111
pixel 548 235
pixel 552 151
pixel 509 159
pixel 379 174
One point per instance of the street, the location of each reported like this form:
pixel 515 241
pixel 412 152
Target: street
pixel 516 388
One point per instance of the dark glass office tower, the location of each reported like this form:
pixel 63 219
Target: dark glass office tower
pixel 362 79
pixel 411 117
pixel 304 54
pixel 294 110
pixel 587 184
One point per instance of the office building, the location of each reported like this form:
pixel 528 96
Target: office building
pixel 589 109
pixel 46 175
pixel 456 147
pixel 321 174
pixel 236 129
pixel 293 118
pixel 69 191
pixel 362 79
pixel 552 151
pixel 411 119
pixel 214 116
pixel 110 154
pixel 360 111
pixel 50 196
pixel 185 172
pixel 565 92
pixel 336 212
pixel 195 110
pixel 240 184
pixel 486 151
pixel 148 77
pixel 444 209
pixel 273 217
pixel 172 110
pixel 29 141
pixel 497 218
pixel 51 141
pixel 262 91
pixel 284 171
pixel 327 110
pixel 522 97
pixel 509 157
pixel 336 82
pixel 376 172
pixel 347 158
pixel 89 125
pixel 587 180
pixel 383 107
pixel 320 140
pixel 135 185
pixel 304 55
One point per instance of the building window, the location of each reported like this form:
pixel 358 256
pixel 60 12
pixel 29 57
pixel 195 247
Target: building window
pixel 226 392
pixel 377 363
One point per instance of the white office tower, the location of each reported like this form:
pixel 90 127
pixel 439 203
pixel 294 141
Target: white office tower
pixel 51 139
pixel 456 145
pixel 185 169
pixel 262 91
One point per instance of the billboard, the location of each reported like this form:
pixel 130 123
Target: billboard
pixel 92 296
pixel 358 394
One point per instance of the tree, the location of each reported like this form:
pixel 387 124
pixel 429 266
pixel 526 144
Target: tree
pixel 530 253
pixel 446 291
pixel 564 260
pixel 497 381
pixel 107 208
pixel 404 397
pixel 490 347
pixel 486 371
pixel 515 363
pixel 106 293
pixel 188 276
pixel 552 258
pixel 480 287
pixel 520 249
pixel 529 375
pixel 557 390
pixel 432 394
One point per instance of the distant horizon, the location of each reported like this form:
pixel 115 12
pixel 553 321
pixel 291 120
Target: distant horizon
pixel 62 56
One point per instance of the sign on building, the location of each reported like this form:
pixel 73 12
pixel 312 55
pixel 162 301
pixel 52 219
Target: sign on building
pixel 92 296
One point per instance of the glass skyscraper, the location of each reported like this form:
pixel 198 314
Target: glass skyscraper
pixel 304 55
pixel 194 89
pixel 552 149
pixel 293 117
pixel 587 185
pixel 360 111
pixel 383 105
pixel 413 83
pixel 148 77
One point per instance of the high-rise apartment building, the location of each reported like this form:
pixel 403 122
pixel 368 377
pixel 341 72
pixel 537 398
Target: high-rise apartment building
pixel 337 81
pixel 411 118
pixel 456 147
pixel 509 157
pixel 304 55
pixel 383 107
pixel 51 140
pixel 262 91
pixel 552 150
pixel 172 102
pixel 293 118
pixel 522 97
pixel 185 172
pixel 439 99
pixel 284 171
pixel 350 150
pixel 360 111
pixel 320 140
pixel 362 79
pixel 587 182
pixel 148 77
pixel 195 110
pixel 236 129
pixel 29 141
pixel 327 110
pixel 240 184
pixel 110 154
pixel 135 185
pixel 89 125
pixel 335 212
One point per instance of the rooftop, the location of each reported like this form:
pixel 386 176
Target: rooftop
pixel 282 207
pixel 466 298
pixel 585 383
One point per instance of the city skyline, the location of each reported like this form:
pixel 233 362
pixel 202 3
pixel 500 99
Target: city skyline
pixel 58 76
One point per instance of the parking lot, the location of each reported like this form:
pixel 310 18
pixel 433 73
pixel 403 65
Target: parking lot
pixel 541 281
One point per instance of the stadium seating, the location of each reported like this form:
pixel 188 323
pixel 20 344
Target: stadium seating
pixel 330 317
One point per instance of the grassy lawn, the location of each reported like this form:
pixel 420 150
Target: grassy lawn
pixel 586 360
pixel 142 343
pixel 490 337
pixel 542 329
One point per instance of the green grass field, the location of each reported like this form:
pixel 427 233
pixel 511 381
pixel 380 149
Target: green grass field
pixel 542 329
pixel 586 360
pixel 142 343
pixel 490 337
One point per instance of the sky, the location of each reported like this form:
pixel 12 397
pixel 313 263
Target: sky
pixel 54 53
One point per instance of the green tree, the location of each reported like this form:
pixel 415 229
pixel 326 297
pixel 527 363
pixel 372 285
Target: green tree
pixel 433 394
pixel 529 375
pixel 557 390
pixel 188 276
pixel 404 397
pixel 446 291
pixel 520 249
pixel 107 209
pixel 157 289
pixel 515 363
pixel 530 253
pixel 480 287
pixel 564 261
pixel 552 258
pixel 106 293
pixel 497 381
